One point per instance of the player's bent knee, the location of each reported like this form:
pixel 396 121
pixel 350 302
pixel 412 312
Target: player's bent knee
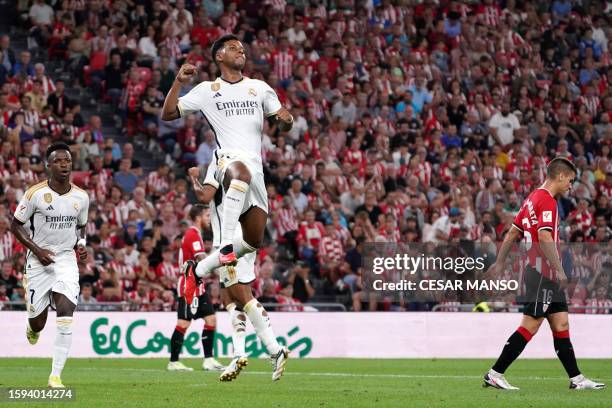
pixel 37 325
pixel 184 324
pixel 210 320
pixel 237 171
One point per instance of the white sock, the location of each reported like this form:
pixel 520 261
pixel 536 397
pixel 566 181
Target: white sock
pixel 206 265
pixel 495 373
pixel 261 322
pixel 577 378
pixel 241 248
pixel 232 207
pixel 61 348
pixel 238 320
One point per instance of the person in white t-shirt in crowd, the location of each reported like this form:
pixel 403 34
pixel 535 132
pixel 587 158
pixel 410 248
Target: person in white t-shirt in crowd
pixel 447 225
pixel 503 125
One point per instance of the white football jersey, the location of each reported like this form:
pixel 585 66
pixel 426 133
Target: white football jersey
pixel 53 218
pixel 235 112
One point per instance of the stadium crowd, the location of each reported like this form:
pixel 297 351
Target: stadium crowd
pixel 415 121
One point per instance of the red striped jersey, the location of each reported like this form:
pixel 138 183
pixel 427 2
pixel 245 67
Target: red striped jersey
pixel 47 85
pixel 282 61
pixel 7 246
pixel 286 220
pixel 191 246
pixel 291 304
pixel 606 304
pixel 538 212
pixel 124 271
pixel 332 248
pixel 156 184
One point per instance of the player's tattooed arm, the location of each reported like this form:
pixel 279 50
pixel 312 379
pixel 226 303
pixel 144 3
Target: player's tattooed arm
pixel 285 120
pixel 44 255
pixel 170 110
pixel 549 248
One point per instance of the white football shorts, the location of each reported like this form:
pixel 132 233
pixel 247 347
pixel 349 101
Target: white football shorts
pixel 243 272
pixel 39 281
pixel 257 195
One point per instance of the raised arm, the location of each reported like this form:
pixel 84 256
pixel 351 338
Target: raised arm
pixel 170 110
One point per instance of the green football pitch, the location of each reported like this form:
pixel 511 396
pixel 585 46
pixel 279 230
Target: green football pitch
pixel 310 383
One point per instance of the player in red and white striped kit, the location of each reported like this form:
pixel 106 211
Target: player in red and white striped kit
pixel 192 248
pixel 537 224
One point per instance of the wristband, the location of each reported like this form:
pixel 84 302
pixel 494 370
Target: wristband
pixel 81 242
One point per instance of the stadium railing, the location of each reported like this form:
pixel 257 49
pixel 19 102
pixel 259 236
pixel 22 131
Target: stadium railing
pixel 496 307
pixel 128 306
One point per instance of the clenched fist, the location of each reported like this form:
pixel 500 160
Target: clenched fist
pixel 185 73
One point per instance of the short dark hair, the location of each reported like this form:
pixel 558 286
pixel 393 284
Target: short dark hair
pixel 560 165
pixel 196 210
pixel 55 147
pixel 219 43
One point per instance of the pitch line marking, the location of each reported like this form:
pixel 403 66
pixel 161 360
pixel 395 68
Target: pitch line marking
pixel 319 374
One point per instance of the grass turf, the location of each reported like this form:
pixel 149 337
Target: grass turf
pixel 310 383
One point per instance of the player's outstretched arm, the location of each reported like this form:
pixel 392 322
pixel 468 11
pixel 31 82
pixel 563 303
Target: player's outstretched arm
pixel 170 109
pixel 549 248
pixel 44 255
pixel 285 119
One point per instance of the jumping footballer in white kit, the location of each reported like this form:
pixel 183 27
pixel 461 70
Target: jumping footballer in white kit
pixel 235 107
pixel 237 280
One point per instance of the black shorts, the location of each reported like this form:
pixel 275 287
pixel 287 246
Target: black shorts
pixel 205 308
pixel 544 297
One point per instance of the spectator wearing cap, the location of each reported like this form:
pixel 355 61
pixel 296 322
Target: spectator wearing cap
pixel 447 225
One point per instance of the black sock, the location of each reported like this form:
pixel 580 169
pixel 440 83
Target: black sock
pixel 513 348
pixel 176 343
pixel 208 339
pixel 565 352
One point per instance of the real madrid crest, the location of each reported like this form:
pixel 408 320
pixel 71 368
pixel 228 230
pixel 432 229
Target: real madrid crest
pixel 215 86
pixel 252 92
pixel 76 206
pixel 48 198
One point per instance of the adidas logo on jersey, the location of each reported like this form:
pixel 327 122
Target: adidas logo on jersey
pixel 216 95
pixel 50 208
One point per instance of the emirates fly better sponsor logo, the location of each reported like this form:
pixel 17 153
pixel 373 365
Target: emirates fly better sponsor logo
pixel 237 108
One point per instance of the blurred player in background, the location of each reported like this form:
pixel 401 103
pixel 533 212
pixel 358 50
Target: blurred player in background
pixel 537 224
pixel 236 290
pixel 192 248
pixel 50 222
pixel 235 107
